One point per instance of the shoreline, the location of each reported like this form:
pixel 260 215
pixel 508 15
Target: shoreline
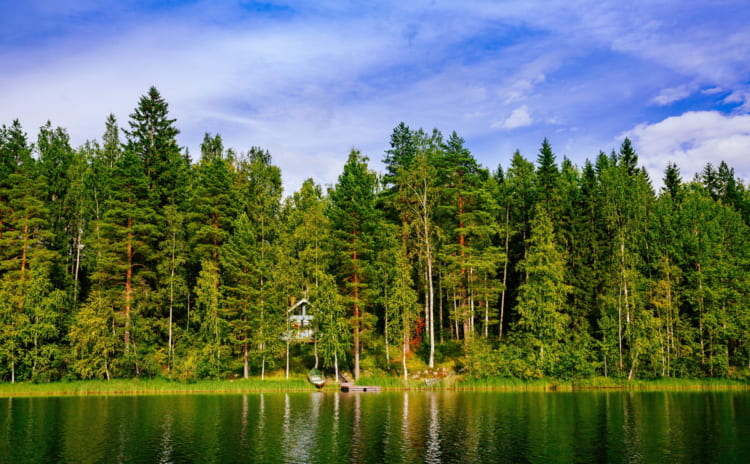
pixel 137 387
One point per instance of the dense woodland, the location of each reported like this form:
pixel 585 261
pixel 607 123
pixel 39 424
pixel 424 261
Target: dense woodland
pixel 124 258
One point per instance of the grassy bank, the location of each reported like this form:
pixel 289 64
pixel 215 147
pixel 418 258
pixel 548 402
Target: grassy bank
pixel 454 382
pixel 300 384
pixel 153 387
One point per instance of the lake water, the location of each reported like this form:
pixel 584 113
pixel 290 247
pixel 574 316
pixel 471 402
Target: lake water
pixel 581 427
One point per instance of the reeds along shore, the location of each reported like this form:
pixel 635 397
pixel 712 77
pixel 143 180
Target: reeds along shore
pixel 387 383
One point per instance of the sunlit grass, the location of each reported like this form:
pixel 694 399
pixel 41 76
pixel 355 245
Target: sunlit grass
pixel 153 387
pixel 391 382
pixel 668 383
pixel 507 383
pixel 386 382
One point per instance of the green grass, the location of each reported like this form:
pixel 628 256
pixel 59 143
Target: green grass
pixel 386 382
pixel 512 384
pixel 153 387
pixel 661 384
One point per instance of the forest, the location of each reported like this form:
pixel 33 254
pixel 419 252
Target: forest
pixel 130 257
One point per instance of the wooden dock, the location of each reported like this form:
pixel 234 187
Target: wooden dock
pixel 351 388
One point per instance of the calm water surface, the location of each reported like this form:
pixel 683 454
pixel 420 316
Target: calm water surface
pixel 693 427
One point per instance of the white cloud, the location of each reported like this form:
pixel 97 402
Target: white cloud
pixel 520 117
pixel 692 140
pixel 741 96
pixel 311 84
pixel 672 94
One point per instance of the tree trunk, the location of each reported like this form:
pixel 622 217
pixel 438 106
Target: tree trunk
pixel 336 365
pixel 430 296
pixel 171 299
pixel 77 266
pixel 355 279
pixel 287 357
pixel 431 305
pixel 128 286
pixel 440 306
pixel 405 347
pixel 505 271
pixel 463 286
pixel 245 366
pixel 387 347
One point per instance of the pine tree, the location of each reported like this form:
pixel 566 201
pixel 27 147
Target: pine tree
pixel 353 216
pixel 461 188
pixel 128 231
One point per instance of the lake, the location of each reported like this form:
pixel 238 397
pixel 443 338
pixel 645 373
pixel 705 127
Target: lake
pixel 432 427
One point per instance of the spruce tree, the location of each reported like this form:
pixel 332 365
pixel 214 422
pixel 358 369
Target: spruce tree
pixel 548 174
pixel 240 267
pixel 152 137
pixel 672 181
pixel 213 205
pixel 542 299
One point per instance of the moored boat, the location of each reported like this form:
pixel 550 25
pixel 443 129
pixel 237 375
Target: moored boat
pixel 316 378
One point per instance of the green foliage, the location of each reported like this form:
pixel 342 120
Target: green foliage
pixel 93 346
pixel 334 334
pixel 353 218
pixel 152 137
pixel 124 260
pixel 542 298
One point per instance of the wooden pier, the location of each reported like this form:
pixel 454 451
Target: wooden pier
pixel 351 388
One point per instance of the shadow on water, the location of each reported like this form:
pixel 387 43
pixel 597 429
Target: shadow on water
pixel 430 427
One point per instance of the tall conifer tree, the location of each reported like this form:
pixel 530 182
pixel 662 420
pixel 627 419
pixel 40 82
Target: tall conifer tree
pixel 353 216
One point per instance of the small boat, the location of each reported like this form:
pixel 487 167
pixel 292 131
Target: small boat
pixel 316 378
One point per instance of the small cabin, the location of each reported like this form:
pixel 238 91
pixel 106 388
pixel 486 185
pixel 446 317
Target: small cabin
pixel 299 323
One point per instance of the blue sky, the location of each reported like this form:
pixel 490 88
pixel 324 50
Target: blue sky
pixel 311 80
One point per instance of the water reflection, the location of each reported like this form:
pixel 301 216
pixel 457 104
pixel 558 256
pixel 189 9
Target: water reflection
pixel 358 453
pixel 429 427
pixel 405 439
pixel 432 454
pixel 167 448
